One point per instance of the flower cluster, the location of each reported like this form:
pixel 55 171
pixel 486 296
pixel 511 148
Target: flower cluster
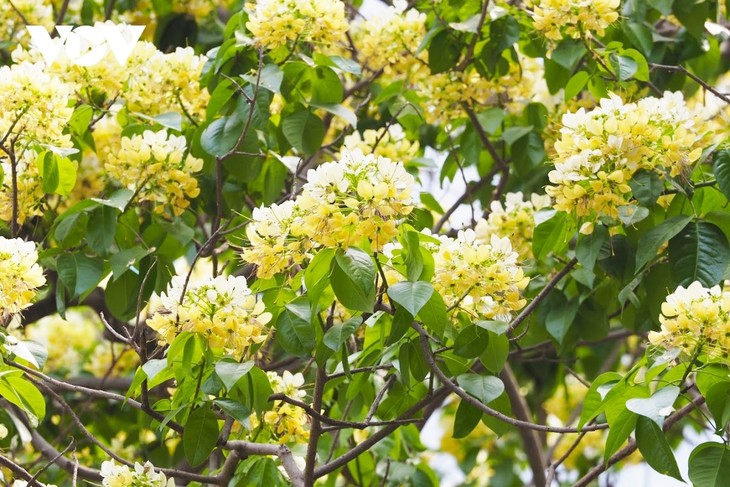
pixel 600 150
pixel 285 422
pixel 695 316
pixel 514 219
pixel 223 309
pixel 156 166
pixel 389 41
pixel 343 203
pixel 114 475
pixel 21 275
pixel 481 279
pixel 28 190
pixel 160 83
pixel 444 94
pixel 390 142
pixel 34 105
pixel 16 14
pixel 574 18
pixel 276 23
pixel 68 341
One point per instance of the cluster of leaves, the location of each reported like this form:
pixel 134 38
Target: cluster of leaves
pixel 378 343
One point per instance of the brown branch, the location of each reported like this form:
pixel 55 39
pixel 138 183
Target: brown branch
pixel 470 49
pixel 694 77
pixel 530 438
pixel 466 195
pixel 315 430
pixel 17 470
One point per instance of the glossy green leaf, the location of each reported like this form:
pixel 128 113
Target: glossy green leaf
pixel 200 435
pixel 304 130
pixel 709 465
pixel 230 371
pixel 650 243
pixel 485 388
pixel 655 449
pixel 413 296
pixel 700 252
pixel 294 330
pixel 353 279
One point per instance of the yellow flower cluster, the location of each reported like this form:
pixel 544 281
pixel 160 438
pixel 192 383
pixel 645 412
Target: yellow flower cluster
pixel 445 93
pixel 391 143
pixel 599 151
pixel 156 166
pixel 34 105
pixel 389 40
pixel 222 309
pixel 360 197
pixel 160 83
pixel 29 189
pixel 575 18
pixel 481 279
pixel 68 341
pixel 114 475
pixel 514 219
pixel 276 23
pixel 21 275
pixel 695 316
pixel 285 422
pixel 196 8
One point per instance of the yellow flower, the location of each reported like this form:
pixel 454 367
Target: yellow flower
pixel 514 219
pixel 390 143
pixel 22 276
pixel 156 166
pixel 276 23
pixel 574 17
pixel 600 150
pixel 285 422
pixel 695 316
pixel 114 475
pixel 222 309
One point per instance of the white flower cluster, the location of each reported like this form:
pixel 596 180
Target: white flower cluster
pixel 21 275
pixel 343 203
pixel 223 309
pixel 114 475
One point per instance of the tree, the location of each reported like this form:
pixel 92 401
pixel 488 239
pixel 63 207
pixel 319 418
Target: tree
pixel 221 265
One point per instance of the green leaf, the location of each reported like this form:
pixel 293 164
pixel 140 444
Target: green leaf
pixel 484 388
pixel 641 72
pixel 339 110
pixel 576 83
pixel 340 332
pixel 620 429
pixel 294 329
pixel 23 394
pixel 79 273
pixel 650 243
pixel 568 53
pixel 303 130
pixel 709 465
pixel 353 279
pixel 631 214
pixel 271 78
pixel 656 407
pixel 101 229
pixel 234 409
pixel 433 315
pixel 317 274
pixel 692 15
pixel 443 52
pixel 513 134
pixel 589 246
pixel 124 259
pixel 496 353
pixel 413 296
pixel 200 435
pixel 153 367
pixel 560 318
pixel 718 402
pixel 550 236
pixel 623 66
pixel 58 173
pixel 721 168
pixel 655 449
pixel 700 252
pixel 471 342
pixel 230 372
pixel 490 120
pixel 221 135
pixel 646 187
pixel 466 419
